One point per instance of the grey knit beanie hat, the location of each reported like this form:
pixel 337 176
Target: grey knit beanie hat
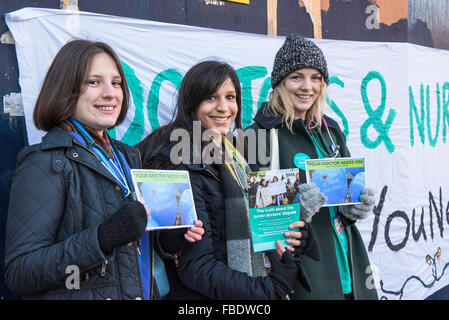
pixel 296 53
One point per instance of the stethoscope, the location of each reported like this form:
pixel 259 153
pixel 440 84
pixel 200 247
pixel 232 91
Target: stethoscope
pixel 332 150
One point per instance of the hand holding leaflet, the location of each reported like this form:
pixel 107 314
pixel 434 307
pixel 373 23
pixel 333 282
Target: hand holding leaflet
pixel 361 210
pixel 311 199
pixel 126 225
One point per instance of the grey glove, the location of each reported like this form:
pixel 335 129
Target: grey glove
pixel 310 199
pixel 361 210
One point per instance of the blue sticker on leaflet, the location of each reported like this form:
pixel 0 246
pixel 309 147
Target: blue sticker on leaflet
pixel 300 160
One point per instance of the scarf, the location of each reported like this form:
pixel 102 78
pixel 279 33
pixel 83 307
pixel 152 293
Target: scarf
pixel 240 255
pixel 103 142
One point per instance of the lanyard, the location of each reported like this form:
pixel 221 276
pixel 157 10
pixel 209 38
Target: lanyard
pixel 115 167
pixel 239 174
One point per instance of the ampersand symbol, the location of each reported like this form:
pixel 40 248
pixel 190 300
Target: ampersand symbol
pixel 375 116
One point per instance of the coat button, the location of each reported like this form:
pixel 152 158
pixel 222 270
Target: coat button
pixel 117 188
pixel 130 244
pixel 75 155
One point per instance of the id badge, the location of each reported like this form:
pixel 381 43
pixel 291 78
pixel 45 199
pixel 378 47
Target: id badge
pixel 338 224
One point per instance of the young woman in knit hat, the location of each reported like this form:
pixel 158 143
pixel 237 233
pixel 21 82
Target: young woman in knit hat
pixel 221 265
pixel 296 109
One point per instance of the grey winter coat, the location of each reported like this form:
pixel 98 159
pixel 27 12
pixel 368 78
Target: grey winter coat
pixel 59 195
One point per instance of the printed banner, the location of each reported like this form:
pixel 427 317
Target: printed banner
pixel 390 99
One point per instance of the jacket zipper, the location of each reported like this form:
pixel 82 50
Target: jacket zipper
pixel 176 259
pixel 213 175
pixel 103 267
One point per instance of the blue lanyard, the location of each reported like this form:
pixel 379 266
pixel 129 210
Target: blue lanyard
pixel 113 166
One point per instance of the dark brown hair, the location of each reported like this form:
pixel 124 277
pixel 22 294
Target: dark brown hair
pixel 64 81
pixel 201 81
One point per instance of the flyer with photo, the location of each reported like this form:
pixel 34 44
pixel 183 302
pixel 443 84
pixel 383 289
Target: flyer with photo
pixel 273 205
pixel 340 179
pixel 168 196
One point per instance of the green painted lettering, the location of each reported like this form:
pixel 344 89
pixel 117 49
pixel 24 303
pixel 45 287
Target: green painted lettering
pixel 246 76
pixel 445 109
pixel 419 118
pixel 170 75
pixel 335 108
pixel 375 116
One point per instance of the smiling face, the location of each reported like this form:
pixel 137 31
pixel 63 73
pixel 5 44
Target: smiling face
pixel 303 87
pixel 218 111
pixel 101 98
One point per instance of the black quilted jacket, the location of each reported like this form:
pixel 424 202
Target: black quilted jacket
pixel 201 271
pixel 59 195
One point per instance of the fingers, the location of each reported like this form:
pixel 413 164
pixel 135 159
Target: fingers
pixel 368 191
pixel 148 212
pixel 310 194
pixel 367 200
pixel 192 236
pixel 291 249
pixel 306 187
pixel 199 223
pixel 294 234
pixel 297 224
pixel 195 233
pixel 280 249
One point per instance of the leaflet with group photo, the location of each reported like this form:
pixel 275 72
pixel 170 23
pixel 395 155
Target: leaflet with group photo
pixel 273 206
pixel 340 179
pixel 168 196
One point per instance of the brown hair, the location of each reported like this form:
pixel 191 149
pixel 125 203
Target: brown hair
pixel 64 81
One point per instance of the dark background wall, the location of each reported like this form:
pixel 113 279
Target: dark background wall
pixel 421 22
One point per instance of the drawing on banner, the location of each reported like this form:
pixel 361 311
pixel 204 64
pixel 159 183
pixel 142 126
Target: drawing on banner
pixel 432 261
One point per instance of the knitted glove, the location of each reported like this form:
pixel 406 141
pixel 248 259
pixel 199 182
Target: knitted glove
pixel 361 210
pixel 284 273
pixel 310 199
pixel 309 244
pixel 126 225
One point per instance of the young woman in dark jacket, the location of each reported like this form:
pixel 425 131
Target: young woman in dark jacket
pixel 74 230
pixel 295 109
pixel 221 265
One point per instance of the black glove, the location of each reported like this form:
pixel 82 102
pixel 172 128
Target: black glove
pixel 172 240
pixel 302 276
pixel 309 244
pixel 126 225
pixel 284 273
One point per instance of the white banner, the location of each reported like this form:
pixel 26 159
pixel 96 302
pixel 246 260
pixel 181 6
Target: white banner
pixel 391 100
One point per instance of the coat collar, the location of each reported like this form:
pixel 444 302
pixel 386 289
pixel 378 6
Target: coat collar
pixel 56 138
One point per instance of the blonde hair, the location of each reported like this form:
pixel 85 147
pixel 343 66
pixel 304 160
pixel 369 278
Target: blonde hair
pixel 280 104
